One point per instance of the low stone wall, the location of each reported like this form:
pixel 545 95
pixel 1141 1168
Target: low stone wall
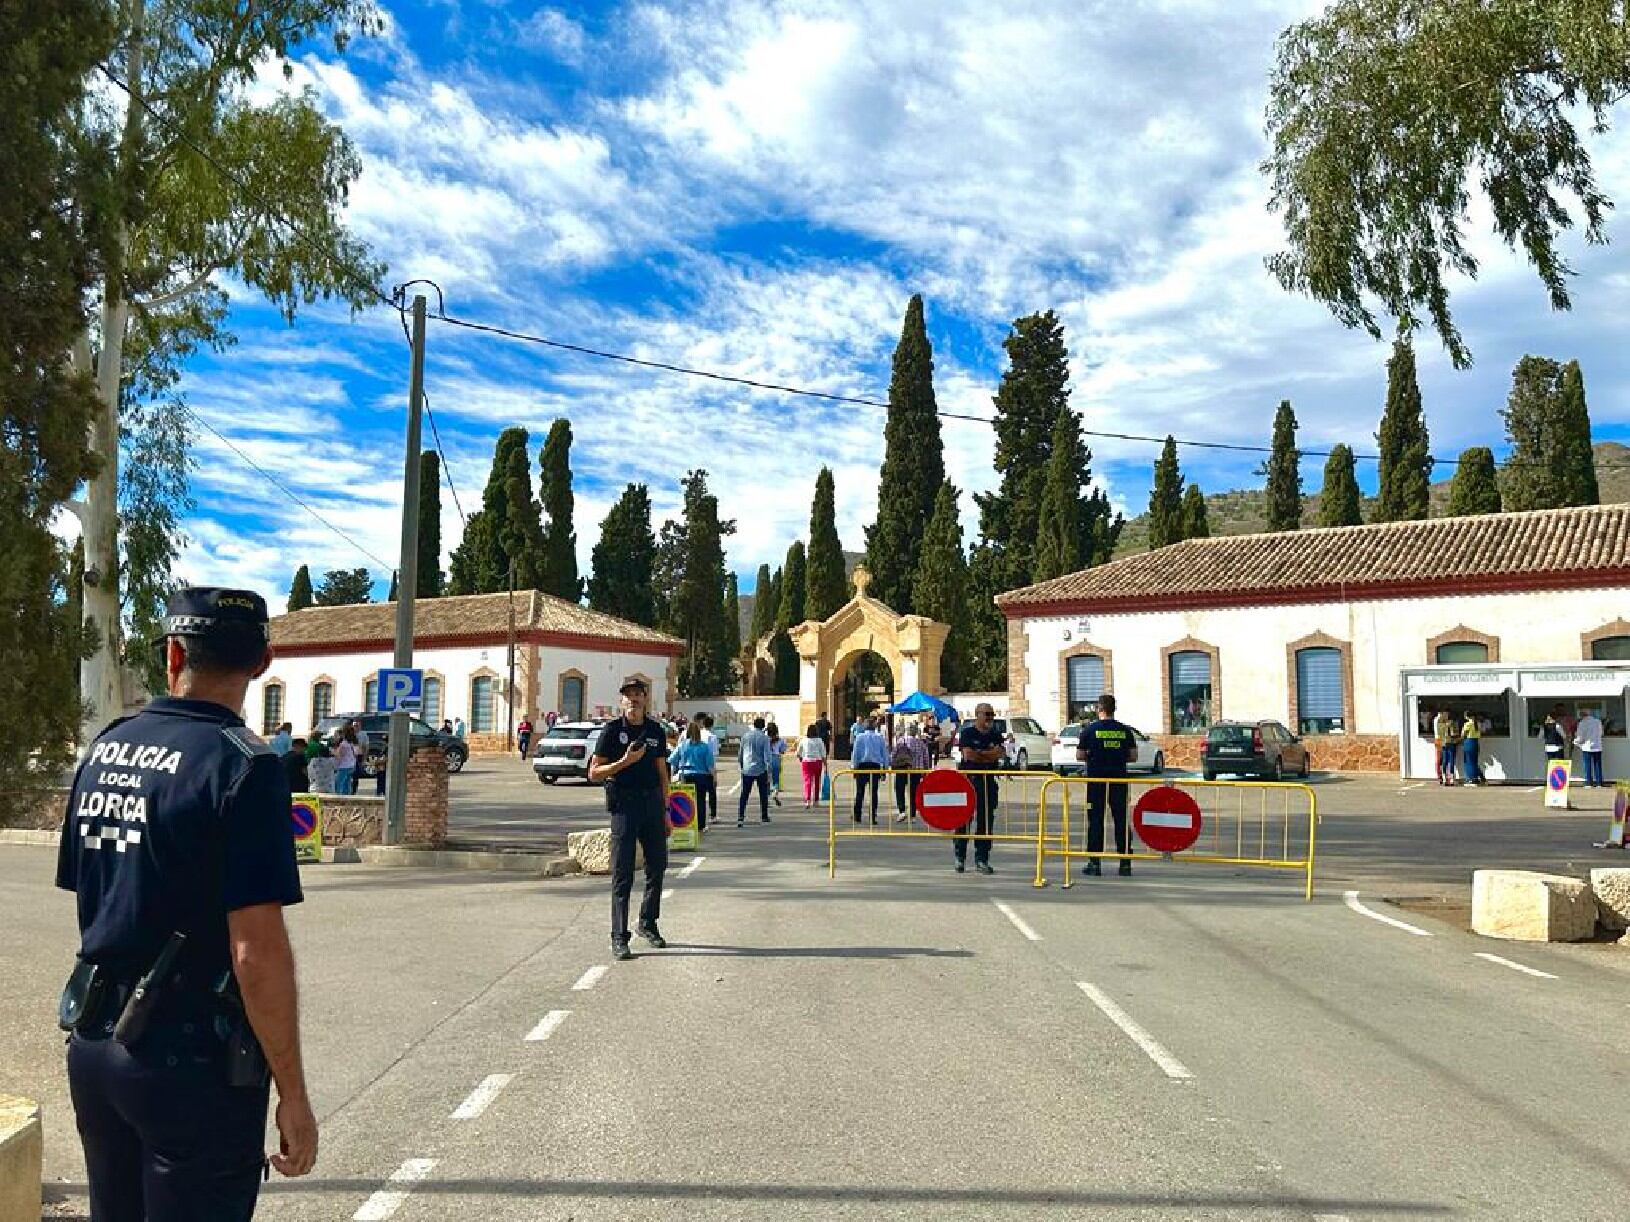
pixel 22 1151
pixel 356 820
pixel 1330 752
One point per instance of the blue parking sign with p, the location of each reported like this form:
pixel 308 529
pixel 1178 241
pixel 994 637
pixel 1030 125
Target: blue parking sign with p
pixel 401 691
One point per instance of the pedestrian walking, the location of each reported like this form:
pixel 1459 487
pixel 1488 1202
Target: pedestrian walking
pixel 320 768
pixel 755 772
pixel 550 718
pixel 1440 745
pixel 1471 741
pixel 345 760
pixel 690 762
pixel 909 761
pixel 822 729
pixel 523 735
pixel 283 741
pixel 931 736
pixel 868 756
pixel 295 769
pixel 812 762
pixel 458 728
pixel 707 788
pixel 1106 746
pixel 630 760
pixel 1587 736
pixel 778 748
pixel 1554 741
pixel 446 726
pixel 183 998
pixel 980 746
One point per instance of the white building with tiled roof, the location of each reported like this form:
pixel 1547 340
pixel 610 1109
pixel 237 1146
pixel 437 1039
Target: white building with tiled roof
pixel 568 660
pixel 1348 636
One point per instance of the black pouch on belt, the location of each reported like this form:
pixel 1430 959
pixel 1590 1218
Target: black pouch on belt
pixel 80 1007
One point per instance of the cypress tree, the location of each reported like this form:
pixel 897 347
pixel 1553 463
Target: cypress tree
pixel 345 587
pixel 1284 473
pixel 557 573
pixel 523 545
pixel 1575 456
pixel 300 592
pixel 699 603
pixel 1406 462
pixel 462 566
pixel 1475 489
pixel 623 560
pixel 1196 522
pixel 1339 500
pixel 732 617
pixel 395 583
pixel 667 573
pixel 428 583
pixel 940 589
pixel 480 563
pixel 794 593
pixel 828 584
pixel 913 466
pixel 765 607
pixel 1166 499
pixel 1059 542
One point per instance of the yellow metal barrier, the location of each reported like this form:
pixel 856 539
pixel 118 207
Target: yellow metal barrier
pixel 1229 831
pixel 1016 819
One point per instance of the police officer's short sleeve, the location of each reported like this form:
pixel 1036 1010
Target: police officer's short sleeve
pixel 259 863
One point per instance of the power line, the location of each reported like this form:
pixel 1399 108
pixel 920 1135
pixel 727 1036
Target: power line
pixel 446 474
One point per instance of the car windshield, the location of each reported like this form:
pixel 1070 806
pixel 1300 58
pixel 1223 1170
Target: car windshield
pixel 1229 734
pixel 570 732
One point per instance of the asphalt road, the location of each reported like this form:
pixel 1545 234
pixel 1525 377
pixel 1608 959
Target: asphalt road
pixel 901 1041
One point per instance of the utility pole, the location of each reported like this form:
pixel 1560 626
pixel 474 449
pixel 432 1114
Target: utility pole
pixel 401 740
pixel 509 700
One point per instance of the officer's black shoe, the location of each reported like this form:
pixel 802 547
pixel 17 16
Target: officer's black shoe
pixel 619 949
pixel 961 867
pixel 1094 867
pixel 651 934
pixel 764 818
pixel 983 867
pixel 1126 868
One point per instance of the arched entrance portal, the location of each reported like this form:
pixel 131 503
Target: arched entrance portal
pixel 863 647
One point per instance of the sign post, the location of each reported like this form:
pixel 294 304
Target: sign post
pixel 1167 819
pixel 945 800
pixel 306 814
pixel 1558 775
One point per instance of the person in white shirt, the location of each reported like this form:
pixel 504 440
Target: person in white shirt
pixel 812 762
pixel 1587 736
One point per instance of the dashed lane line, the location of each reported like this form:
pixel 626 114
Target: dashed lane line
pixel 1170 1065
pixel 668 894
pixel 546 1027
pixel 1352 901
pixel 482 1096
pixel 691 869
pixel 1018 921
pixel 387 1201
pixel 1514 966
pixel 590 978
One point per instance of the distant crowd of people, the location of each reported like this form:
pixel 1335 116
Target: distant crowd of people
pixel 1457 742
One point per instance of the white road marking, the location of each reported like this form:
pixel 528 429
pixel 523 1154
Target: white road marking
pixel 1519 967
pixel 1536 789
pixel 591 977
pixel 481 1096
pixel 1405 789
pixel 1018 921
pixel 546 1028
pixel 1170 1065
pixel 387 1201
pixel 691 869
pixel 1351 899
pixel 668 894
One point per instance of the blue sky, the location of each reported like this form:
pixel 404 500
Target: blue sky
pixel 758 188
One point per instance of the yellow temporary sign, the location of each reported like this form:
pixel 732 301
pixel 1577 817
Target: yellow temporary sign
pixel 1558 776
pixel 306 814
pixel 684 831
pixel 1621 807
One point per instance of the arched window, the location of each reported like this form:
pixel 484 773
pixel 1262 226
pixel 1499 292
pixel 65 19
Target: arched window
pixel 271 708
pixel 1610 649
pixel 1320 701
pixel 322 701
pixel 1191 691
pixel 432 700
pixel 481 705
pixel 571 698
pixel 1458 653
pixel 370 695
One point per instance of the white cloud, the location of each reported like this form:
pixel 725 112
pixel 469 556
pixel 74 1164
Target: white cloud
pixel 549 29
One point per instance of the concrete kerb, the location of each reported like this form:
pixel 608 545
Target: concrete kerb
pixel 22 1153
pixel 535 865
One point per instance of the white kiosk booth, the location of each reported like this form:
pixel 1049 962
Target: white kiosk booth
pixel 1511 700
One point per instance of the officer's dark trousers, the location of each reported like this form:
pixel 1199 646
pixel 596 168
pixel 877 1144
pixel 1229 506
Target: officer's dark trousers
pixel 647 827
pixel 1097 793
pixel 984 819
pixel 166 1139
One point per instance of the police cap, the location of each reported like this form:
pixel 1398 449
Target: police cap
pixel 208 610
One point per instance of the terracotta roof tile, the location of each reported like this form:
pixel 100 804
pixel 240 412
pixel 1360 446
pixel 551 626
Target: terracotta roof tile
pixel 460 615
pixel 1561 547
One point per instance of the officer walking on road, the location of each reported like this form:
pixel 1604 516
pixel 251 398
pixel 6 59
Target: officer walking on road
pixel 1107 746
pixel 177 843
pixel 631 761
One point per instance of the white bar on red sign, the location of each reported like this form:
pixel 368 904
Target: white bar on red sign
pixel 945 799
pixel 1158 819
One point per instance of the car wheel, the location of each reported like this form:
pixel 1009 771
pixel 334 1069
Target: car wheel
pixel 1024 760
pixel 1208 774
pixel 1159 766
pixel 1278 773
pixel 455 760
pixel 546 778
pixel 1307 765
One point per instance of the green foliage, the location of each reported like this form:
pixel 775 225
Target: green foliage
pixel 913 466
pixel 765 608
pixel 940 589
pixel 1548 424
pixel 1284 473
pixel 429 581
pixel 1059 542
pixel 1475 488
pixel 667 568
pixel 48 232
pixel 345 587
pixel 557 573
pixel 794 593
pixel 828 581
pixel 1166 523
pixel 523 523
pixel 1196 523
pixel 300 593
pixel 395 586
pixel 507 526
pixel 623 560
pixel 1339 498
pixel 1406 460
pixel 1575 454
pixel 153 498
pixel 732 616
pixel 1383 113
pixel 698 607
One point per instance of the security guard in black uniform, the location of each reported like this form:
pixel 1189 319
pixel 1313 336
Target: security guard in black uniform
pixel 631 761
pixel 178 845
pixel 1107 746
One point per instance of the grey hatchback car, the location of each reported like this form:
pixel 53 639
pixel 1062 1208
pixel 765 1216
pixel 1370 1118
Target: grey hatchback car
pixel 1253 748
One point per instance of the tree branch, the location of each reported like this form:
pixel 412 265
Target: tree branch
pixel 176 294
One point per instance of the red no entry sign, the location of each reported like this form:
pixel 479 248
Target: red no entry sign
pixel 1167 819
pixel 945 800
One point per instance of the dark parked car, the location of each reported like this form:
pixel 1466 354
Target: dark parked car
pixel 1253 748
pixel 378 728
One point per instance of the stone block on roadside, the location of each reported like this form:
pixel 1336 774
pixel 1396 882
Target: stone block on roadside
pixel 1526 906
pixel 21 1157
pixel 592 851
pixel 1611 886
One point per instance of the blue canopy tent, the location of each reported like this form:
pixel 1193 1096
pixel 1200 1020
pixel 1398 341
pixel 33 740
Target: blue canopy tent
pixel 922 702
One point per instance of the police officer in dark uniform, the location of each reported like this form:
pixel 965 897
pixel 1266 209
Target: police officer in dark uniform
pixel 980 747
pixel 1107 746
pixel 178 845
pixel 631 761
